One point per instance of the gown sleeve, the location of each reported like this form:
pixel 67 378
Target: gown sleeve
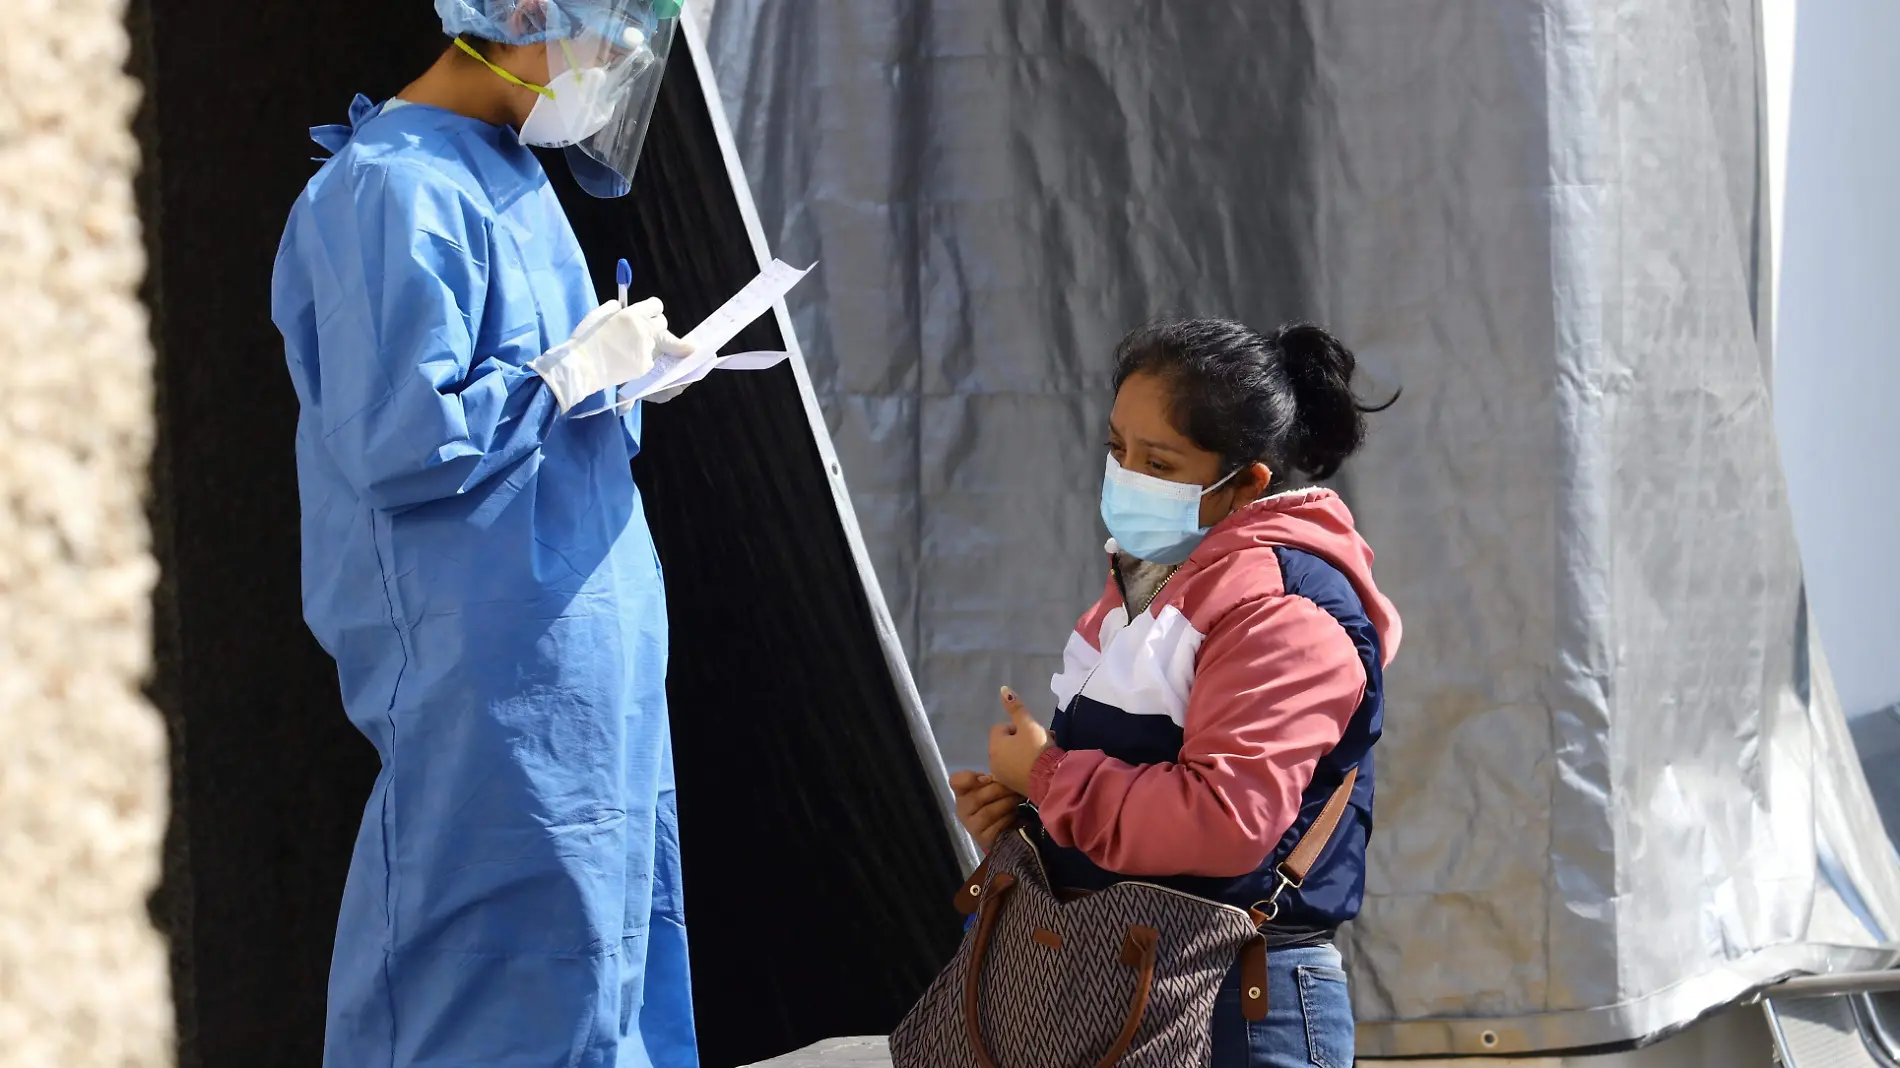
pixel 408 411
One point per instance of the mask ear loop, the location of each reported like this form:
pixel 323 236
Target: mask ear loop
pixel 1229 477
pixel 504 75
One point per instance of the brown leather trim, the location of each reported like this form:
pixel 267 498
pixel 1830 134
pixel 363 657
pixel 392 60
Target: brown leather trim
pixel 1138 952
pixel 1132 947
pixel 1044 936
pixel 1253 979
pixel 973 982
pixel 970 894
pixel 1313 843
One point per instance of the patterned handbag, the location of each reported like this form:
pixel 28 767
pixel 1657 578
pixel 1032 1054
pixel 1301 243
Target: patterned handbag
pixel 1124 976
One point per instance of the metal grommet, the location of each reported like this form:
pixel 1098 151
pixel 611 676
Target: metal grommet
pixel 1490 1039
pixel 1253 992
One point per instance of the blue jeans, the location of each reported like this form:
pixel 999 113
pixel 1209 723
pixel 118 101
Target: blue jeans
pixel 1309 1015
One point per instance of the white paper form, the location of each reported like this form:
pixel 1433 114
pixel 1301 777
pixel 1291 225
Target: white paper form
pixel 755 299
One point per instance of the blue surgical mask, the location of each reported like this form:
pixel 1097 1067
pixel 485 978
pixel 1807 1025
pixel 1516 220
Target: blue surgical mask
pixel 1151 518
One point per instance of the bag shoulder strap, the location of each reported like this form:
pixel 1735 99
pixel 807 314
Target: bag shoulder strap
pixel 1299 863
pixel 1311 844
pixel 1293 871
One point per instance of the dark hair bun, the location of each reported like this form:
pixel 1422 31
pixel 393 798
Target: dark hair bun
pixel 1330 423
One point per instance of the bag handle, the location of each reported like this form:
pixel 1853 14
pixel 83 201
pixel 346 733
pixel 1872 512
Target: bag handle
pixel 1138 952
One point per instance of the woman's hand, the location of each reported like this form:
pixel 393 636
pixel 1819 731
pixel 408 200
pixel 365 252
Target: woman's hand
pixel 985 807
pixel 1015 745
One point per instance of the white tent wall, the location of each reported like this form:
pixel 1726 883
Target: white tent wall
pixel 1615 766
pixel 1831 63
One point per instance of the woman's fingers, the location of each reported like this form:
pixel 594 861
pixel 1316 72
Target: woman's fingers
pixel 997 810
pixel 962 782
pixel 987 834
pixel 970 802
pixel 987 810
pixel 995 792
pixel 1013 708
pixel 1000 734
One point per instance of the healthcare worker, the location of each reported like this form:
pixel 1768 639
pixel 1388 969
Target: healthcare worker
pixel 476 558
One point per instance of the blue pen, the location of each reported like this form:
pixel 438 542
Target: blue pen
pixel 623 278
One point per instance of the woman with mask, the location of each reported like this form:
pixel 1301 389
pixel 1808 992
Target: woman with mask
pixel 1228 681
pixel 477 560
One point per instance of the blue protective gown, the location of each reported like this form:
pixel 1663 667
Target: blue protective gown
pixel 479 565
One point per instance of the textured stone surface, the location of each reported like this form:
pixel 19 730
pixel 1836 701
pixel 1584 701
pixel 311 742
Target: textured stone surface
pixel 836 1053
pixel 82 973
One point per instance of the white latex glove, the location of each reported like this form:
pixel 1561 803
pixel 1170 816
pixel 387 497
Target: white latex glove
pixel 612 345
pixel 665 395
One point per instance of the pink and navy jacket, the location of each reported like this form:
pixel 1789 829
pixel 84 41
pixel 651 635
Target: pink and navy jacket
pixel 1195 742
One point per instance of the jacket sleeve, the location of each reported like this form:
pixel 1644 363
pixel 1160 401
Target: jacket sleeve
pixel 1276 682
pixel 407 411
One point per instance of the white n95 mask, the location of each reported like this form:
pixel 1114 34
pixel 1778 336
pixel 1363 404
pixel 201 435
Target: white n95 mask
pixel 588 81
pixel 578 104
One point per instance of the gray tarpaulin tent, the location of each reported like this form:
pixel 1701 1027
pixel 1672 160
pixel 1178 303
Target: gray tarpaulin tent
pixel 1616 788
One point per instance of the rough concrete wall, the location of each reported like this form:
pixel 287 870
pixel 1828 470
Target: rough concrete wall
pixel 82 973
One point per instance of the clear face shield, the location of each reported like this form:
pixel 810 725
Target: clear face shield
pixel 606 59
pixel 606 79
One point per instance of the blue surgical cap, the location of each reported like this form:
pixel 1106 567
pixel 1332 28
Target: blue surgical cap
pixel 522 22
